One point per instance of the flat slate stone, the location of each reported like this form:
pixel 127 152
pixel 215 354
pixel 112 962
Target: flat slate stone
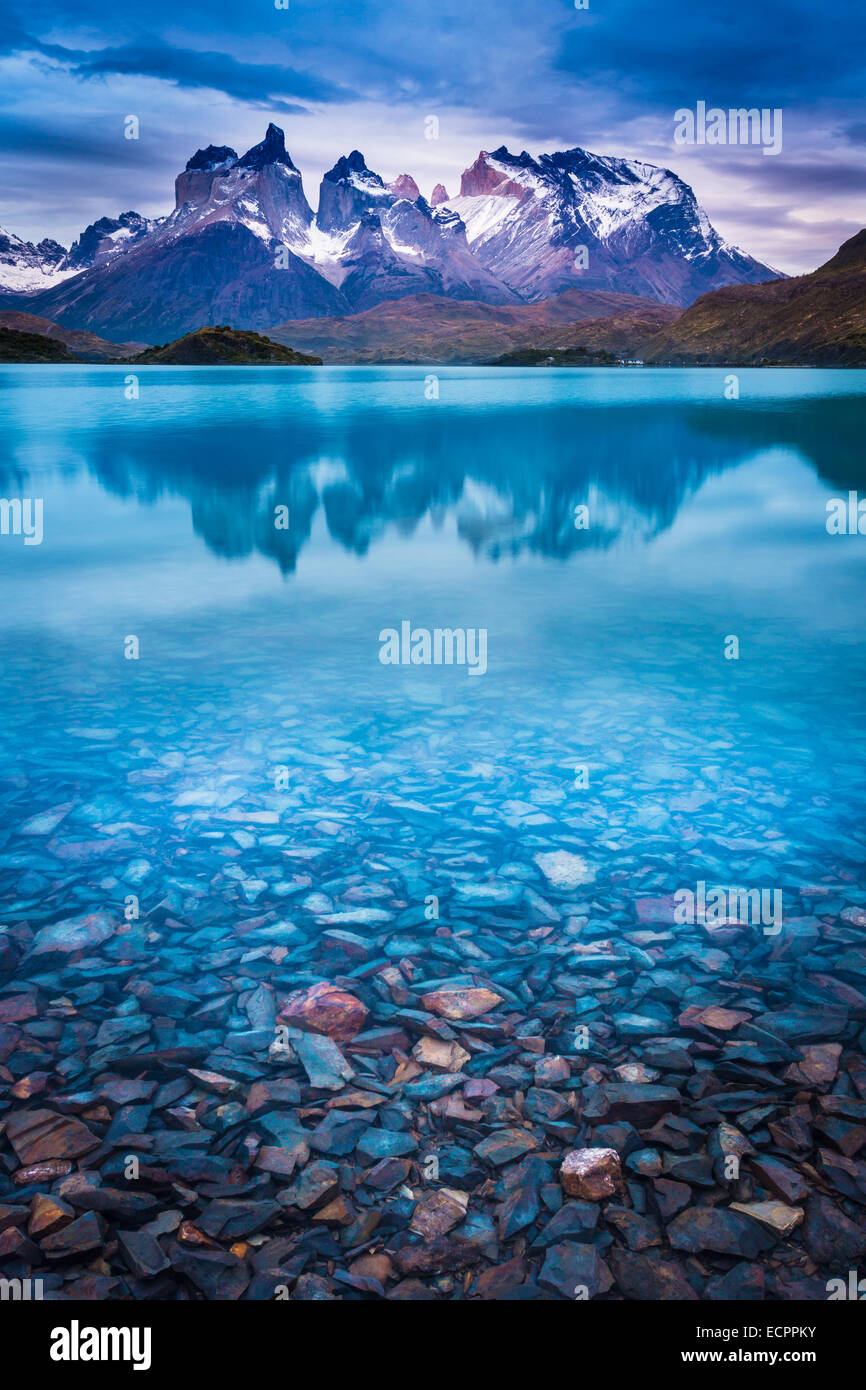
pixel 322 1060
pixel 86 1233
pixel 143 1253
pixel 40 1135
pixel 82 933
pixel 461 1003
pixel 719 1230
pixel 505 1145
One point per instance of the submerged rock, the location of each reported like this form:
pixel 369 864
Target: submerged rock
pixel 460 1004
pixel 592 1174
pixel 38 1135
pixel 563 870
pixel 326 1009
pixel 74 934
pixel 383 1033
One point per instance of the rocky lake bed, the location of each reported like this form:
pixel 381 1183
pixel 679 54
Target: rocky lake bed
pixel 328 980
pixel 365 1044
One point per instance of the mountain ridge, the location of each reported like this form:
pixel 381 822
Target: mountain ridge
pixel 242 243
pixel 575 218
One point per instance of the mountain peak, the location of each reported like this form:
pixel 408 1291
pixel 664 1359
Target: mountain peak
pixel 212 157
pixel 404 186
pixel 350 192
pixel 106 238
pixel 271 150
pixel 25 267
pixel 347 165
pixel 514 233
pixel 263 190
pixel 483 177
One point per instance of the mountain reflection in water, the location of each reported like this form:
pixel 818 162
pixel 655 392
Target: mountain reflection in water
pixel 508 456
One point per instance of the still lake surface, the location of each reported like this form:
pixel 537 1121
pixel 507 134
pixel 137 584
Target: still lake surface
pixel 259 647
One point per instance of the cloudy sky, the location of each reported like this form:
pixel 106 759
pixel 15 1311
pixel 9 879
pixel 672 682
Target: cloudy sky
pixel 539 75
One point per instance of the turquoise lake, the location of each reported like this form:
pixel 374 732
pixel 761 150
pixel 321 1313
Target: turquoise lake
pixel 259 647
pixel 339 953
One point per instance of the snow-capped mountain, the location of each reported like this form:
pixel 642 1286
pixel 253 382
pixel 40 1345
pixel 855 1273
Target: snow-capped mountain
pixel 261 191
pixel 242 245
pixel 25 267
pixel 108 237
pixel 223 255
pixel 579 219
pixel 381 241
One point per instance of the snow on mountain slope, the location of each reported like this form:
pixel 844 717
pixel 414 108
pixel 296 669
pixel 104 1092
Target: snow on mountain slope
pixel 261 191
pixel 25 267
pixel 222 256
pixel 383 241
pixel 109 237
pixel 579 219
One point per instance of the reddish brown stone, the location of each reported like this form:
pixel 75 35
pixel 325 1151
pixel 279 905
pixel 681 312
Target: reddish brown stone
pixel 326 1009
pixel 592 1174
pixel 48 1214
pixel 42 1172
pixel 438 1212
pixel 36 1135
pixel 716 1018
pixel 445 1056
pixel 493 1283
pixel 461 1003
pixel 32 1085
pixel 17 1008
pixel 336 1213
pixel 377 1266
pixel 818 1065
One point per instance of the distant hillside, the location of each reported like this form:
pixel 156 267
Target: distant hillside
pixel 31 347
pixel 83 344
pixel 430 328
pixel 223 346
pixel 814 320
